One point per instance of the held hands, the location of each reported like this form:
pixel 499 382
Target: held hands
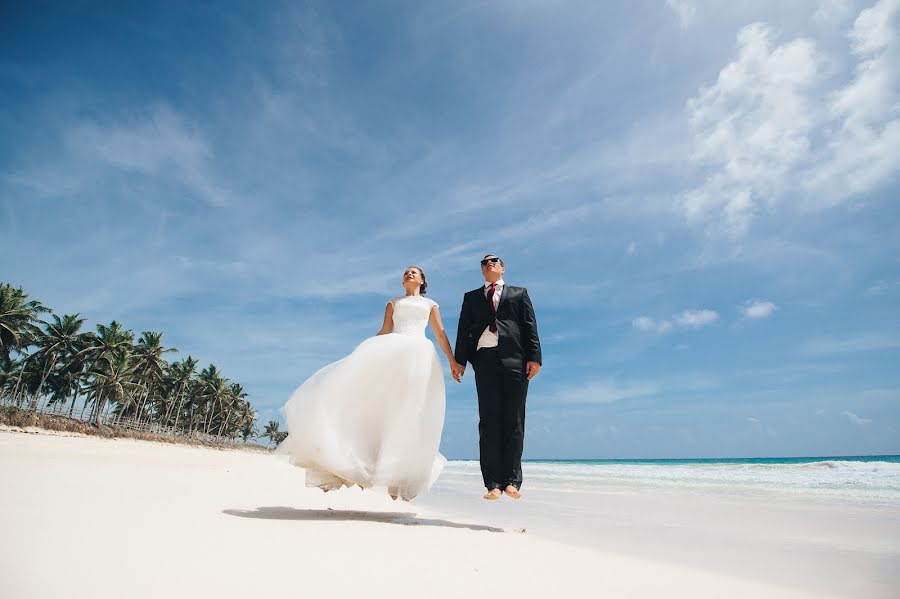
pixel 457 370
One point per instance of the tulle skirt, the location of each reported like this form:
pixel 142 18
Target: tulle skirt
pixel 372 419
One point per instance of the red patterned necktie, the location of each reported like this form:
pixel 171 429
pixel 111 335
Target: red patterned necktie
pixel 490 298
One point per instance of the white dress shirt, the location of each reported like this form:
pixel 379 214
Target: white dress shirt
pixel 489 339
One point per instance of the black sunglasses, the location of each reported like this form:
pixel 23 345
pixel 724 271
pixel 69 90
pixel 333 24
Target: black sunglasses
pixel 486 260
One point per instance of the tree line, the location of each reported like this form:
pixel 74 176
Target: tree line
pixel 49 362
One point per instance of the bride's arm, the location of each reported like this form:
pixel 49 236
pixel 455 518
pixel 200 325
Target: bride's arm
pixel 435 319
pixel 388 325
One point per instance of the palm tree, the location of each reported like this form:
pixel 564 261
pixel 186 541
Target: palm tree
pixel 149 364
pixel 111 379
pixel 66 381
pixel 72 373
pixel 234 398
pixel 18 321
pixel 181 376
pixel 59 338
pixel 272 431
pixel 112 343
pixel 110 340
pixel 18 327
pixel 213 392
pixel 247 421
pixel 9 375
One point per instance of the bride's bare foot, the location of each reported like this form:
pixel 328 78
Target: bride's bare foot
pixel 513 492
pixel 394 493
pixel 493 494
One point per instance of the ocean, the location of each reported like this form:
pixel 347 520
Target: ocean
pixel 858 479
pixel 829 525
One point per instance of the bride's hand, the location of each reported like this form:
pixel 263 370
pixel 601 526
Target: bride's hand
pixel 457 370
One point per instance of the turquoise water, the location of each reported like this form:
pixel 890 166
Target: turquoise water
pixel 864 479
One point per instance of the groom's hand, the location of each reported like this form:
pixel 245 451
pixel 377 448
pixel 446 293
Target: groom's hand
pixel 457 370
pixel 531 369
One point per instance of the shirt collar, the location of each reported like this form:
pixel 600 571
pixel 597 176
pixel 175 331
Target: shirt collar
pixel 500 283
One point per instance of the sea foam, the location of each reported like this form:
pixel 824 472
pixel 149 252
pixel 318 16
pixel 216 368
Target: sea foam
pixel 855 480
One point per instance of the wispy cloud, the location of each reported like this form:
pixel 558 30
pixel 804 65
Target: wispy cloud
pixel 858 343
pixel 156 143
pixel 645 323
pixel 685 10
pixel 605 391
pixel 882 287
pixel 696 319
pixel 758 309
pixel 857 420
pixel 688 319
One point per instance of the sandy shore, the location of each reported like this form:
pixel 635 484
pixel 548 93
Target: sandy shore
pixel 88 517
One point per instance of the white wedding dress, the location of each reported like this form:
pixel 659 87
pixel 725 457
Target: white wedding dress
pixel 374 418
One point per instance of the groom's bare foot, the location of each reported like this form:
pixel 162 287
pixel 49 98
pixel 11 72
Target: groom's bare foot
pixel 493 494
pixel 513 492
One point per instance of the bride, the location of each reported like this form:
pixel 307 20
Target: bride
pixel 374 418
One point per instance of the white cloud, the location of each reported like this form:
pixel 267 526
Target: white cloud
pixel 696 318
pixel 688 319
pixel 645 323
pixel 762 134
pixel 751 127
pixel 632 248
pixel 865 148
pixel 752 420
pixel 758 309
pixel 856 419
pixel 606 391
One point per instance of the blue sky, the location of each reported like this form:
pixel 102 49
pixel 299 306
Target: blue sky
pixel 700 196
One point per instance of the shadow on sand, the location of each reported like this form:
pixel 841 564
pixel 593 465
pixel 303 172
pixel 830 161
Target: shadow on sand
pixel 402 518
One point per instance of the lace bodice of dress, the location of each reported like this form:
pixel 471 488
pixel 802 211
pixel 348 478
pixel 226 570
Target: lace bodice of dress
pixel 411 314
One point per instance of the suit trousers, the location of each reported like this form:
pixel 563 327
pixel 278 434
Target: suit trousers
pixel 501 419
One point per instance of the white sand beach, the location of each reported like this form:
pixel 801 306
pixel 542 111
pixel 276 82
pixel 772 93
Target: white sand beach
pixel 90 517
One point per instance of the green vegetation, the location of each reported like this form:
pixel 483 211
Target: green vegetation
pixel 50 366
pixel 273 434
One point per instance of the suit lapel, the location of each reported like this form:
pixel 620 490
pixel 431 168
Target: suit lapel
pixel 503 295
pixel 482 293
pixel 482 298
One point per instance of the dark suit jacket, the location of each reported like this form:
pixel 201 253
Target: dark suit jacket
pixel 516 327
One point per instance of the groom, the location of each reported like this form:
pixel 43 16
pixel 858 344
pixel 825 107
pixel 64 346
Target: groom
pixel 498 335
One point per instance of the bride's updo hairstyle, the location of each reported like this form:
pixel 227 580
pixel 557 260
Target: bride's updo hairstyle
pixel 424 285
